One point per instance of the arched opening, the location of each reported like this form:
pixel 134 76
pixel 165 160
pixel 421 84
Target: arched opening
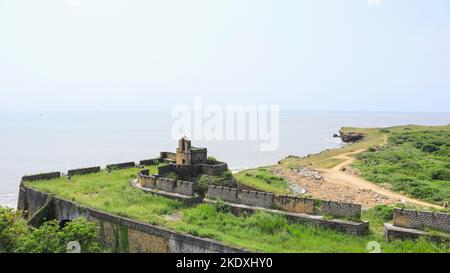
pixel 64 222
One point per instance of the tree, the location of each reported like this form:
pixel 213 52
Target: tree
pixel 16 236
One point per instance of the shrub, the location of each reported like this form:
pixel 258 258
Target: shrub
pixel 172 175
pixel 11 227
pixel 211 160
pixel 429 148
pixel 266 223
pixel 51 238
pixel 226 179
pixel 16 236
pixel 441 174
pixel 221 207
pixel 384 212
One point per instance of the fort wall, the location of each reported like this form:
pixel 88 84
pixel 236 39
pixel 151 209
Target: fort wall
pixel 123 165
pixel 295 204
pixel 42 176
pixel 148 162
pixel 157 182
pixel 285 202
pixel 122 234
pixel 83 171
pixel 421 219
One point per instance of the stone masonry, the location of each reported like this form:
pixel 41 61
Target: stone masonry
pixel 421 219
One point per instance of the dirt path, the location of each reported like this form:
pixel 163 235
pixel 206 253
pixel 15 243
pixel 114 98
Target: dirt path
pixel 338 176
pixel 341 184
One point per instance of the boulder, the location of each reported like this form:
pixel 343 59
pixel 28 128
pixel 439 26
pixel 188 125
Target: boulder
pixel 351 136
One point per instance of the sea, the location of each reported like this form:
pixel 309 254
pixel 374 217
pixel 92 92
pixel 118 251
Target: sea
pixel 37 142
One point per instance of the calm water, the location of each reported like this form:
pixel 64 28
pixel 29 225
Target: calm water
pixel 33 142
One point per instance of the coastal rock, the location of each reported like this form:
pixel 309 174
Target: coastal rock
pixel 351 136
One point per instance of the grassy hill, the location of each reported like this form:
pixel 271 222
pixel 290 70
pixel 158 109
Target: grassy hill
pixel 265 232
pixel 415 160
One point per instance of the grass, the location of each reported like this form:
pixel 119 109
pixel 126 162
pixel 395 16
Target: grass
pixel 260 232
pixel 111 192
pixel 263 179
pixel 324 159
pixel 415 161
pixel 411 159
pixel 273 233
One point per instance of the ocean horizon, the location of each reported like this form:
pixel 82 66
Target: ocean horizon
pixel 34 142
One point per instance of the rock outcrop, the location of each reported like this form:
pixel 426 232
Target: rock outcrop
pixel 351 136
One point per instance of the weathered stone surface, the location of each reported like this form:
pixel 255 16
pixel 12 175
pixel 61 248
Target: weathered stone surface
pixel 124 165
pixel 141 242
pixel 256 198
pixel 184 188
pixel 223 193
pixel 351 136
pixel 339 209
pixel 295 204
pixel 421 219
pixel 148 162
pixel 42 176
pixel 392 232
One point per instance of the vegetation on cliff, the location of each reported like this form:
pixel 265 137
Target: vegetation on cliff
pixel 262 179
pixel 325 159
pixel 17 237
pixel 415 161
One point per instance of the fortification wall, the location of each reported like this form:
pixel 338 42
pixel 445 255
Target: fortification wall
pixel 223 193
pixel 215 169
pixel 83 171
pixel 421 219
pixel 149 162
pixel 184 188
pixel 165 169
pixel 295 204
pixel 168 155
pixel 198 156
pixel 123 234
pixel 256 198
pixel 123 165
pixel 165 184
pixel 42 176
pixel 339 209
pixel 285 202
pixel 147 181
pixel 186 171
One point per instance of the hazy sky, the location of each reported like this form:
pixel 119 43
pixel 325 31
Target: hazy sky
pixel 388 55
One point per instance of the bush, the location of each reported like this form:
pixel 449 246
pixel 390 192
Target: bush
pixel 11 227
pixel 266 223
pixel 16 236
pixel 413 161
pixel 51 238
pixel 221 207
pixel 226 179
pixel 384 212
pixel 429 148
pixel 172 175
pixel 211 160
pixel 440 174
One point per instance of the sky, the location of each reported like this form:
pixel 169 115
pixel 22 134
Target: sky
pixel 303 55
